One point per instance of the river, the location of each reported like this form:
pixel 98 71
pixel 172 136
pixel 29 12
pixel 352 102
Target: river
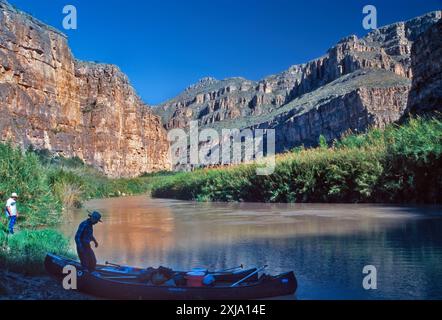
pixel 326 245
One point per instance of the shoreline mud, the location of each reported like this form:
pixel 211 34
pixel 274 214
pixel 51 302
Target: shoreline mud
pixel 15 286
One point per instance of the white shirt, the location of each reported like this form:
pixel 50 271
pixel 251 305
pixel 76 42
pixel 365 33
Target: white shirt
pixel 11 206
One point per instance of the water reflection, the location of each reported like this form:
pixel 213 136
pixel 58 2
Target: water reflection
pixel 326 245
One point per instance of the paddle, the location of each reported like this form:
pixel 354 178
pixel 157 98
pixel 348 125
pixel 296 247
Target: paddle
pixel 121 277
pixel 252 274
pixel 230 269
pixel 219 271
pixel 112 264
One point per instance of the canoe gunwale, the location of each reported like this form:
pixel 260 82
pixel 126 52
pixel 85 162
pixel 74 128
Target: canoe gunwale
pixel 100 267
pixel 96 284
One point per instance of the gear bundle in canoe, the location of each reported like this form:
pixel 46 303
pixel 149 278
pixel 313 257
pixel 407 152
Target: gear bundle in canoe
pixel 124 282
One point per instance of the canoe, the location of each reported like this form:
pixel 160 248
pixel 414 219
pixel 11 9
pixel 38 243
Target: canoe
pixel 109 285
pixel 54 265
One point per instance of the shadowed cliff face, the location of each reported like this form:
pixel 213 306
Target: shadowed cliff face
pixel 357 84
pixel 51 101
pixel 426 91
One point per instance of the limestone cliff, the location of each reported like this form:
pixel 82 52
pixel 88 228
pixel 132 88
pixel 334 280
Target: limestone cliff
pixel 426 91
pixel 52 101
pixel 358 83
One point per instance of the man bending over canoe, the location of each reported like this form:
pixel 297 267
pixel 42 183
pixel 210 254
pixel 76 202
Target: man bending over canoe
pixel 83 239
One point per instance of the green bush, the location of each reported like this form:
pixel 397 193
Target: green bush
pixel 25 251
pixel 47 184
pixel 23 173
pixel 398 164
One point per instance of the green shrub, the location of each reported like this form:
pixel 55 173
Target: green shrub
pixel 25 252
pixel 23 173
pixel 398 164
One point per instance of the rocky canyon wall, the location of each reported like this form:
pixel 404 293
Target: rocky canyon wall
pixel 426 91
pixel 357 84
pixel 51 101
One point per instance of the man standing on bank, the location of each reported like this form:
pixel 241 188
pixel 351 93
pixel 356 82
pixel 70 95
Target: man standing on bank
pixel 83 239
pixel 11 211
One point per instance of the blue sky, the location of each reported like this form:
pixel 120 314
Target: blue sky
pixel 164 45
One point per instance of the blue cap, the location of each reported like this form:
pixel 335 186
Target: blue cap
pixel 96 216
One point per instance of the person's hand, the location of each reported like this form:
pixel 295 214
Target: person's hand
pixel 96 243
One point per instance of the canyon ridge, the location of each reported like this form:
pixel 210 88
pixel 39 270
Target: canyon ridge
pixel 359 83
pixel 50 100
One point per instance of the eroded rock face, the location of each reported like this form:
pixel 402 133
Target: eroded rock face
pixel 426 91
pixel 370 77
pixel 51 101
pixel 353 109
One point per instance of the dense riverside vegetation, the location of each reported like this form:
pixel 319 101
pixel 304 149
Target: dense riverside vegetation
pixel 25 251
pixel 46 185
pixel 400 164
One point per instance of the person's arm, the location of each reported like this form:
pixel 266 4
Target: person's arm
pixel 8 210
pixel 95 241
pixel 78 237
pixel 90 235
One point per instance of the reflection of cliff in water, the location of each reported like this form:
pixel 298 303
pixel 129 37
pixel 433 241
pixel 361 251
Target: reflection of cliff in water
pixel 326 245
pixel 407 258
pixel 128 233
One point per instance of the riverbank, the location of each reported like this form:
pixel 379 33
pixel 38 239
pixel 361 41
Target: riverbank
pixel 400 164
pixel 22 274
pixel 15 286
pixel 47 187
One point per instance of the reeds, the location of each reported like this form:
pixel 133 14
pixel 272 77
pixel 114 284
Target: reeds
pixel 26 251
pixel 398 164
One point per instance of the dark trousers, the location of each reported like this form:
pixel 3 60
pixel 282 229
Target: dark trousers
pixel 87 257
pixel 12 220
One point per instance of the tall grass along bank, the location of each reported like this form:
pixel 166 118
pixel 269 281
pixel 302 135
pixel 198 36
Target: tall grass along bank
pixel 46 186
pixel 400 164
pixel 25 251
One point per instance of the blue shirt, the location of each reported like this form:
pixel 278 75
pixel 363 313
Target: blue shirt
pixel 85 234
